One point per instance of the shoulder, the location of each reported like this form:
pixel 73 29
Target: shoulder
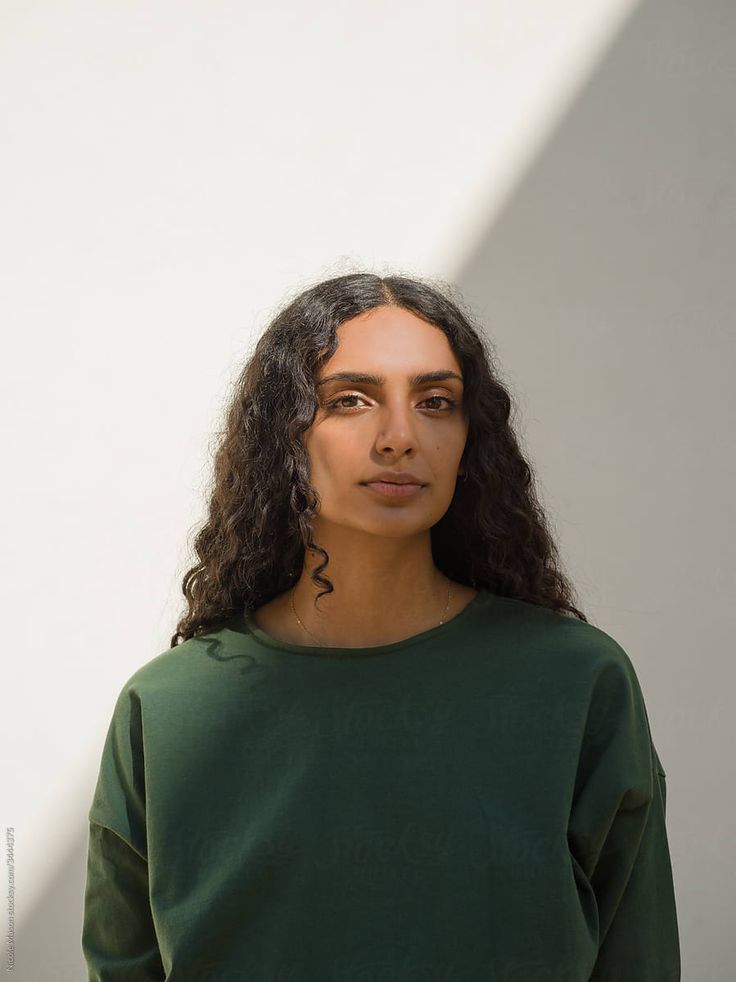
pixel 589 671
pixel 558 637
pixel 188 673
pixel 566 656
pixel 162 669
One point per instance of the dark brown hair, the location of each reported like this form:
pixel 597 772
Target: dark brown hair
pixel 251 545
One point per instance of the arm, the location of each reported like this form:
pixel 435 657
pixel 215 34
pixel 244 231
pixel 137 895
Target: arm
pixel 118 936
pixel 618 835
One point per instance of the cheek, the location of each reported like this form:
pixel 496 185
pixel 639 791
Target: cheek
pixel 445 462
pixel 336 458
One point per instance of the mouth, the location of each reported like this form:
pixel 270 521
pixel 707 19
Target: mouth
pixel 393 490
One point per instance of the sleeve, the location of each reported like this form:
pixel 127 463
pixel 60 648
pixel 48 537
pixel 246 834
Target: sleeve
pixel 118 933
pixel 618 837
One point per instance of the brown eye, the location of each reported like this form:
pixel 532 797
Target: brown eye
pixel 451 402
pixel 335 404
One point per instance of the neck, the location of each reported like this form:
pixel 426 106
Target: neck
pixel 373 603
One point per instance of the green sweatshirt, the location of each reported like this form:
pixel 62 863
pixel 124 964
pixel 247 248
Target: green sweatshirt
pixel 481 801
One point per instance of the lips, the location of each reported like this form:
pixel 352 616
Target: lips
pixel 394 489
pixel 395 477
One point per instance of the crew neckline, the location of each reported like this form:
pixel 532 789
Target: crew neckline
pixel 243 622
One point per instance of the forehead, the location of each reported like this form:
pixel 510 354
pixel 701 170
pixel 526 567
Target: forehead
pixel 390 341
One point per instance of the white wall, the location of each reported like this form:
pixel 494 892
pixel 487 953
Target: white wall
pixel 169 170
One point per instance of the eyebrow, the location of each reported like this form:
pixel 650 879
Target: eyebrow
pixel 361 378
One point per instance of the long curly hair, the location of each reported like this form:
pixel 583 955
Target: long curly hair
pixel 251 545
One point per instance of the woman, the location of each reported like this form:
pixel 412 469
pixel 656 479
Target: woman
pixel 384 743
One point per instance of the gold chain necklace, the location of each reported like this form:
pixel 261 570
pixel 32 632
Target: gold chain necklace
pixel 291 598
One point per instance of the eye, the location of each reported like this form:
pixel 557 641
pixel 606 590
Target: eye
pixel 450 402
pixel 336 403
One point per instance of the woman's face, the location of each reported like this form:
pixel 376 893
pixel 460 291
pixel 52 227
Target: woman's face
pixel 396 425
